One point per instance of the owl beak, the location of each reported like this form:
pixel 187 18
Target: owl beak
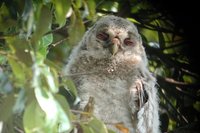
pixel 114 46
pixel 113 49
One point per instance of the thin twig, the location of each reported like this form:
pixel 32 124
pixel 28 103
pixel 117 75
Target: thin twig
pixel 176 111
pixel 56 43
pixel 80 112
pixel 18 130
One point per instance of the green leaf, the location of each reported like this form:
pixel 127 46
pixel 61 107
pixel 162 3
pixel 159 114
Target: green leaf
pixel 5 18
pixel 91 7
pixel 69 84
pixel 51 80
pixel 87 129
pixel 48 105
pixel 76 28
pixel 161 38
pixel 47 40
pixel 61 9
pixel 6 106
pixel 150 35
pixel 110 131
pixel 63 103
pixel 43 46
pixel 20 49
pixel 63 124
pixel 34 118
pixel 43 24
pixel 98 126
pixel 20 102
pixel 54 113
pixel 18 72
pixel 78 3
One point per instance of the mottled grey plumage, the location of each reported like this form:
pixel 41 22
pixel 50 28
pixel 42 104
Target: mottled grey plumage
pixel 110 65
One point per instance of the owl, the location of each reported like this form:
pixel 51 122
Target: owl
pixel 109 65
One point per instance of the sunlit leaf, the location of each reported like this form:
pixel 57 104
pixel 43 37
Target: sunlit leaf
pixel 63 103
pixel 64 123
pixel 43 46
pixel 91 7
pixel 34 118
pixel 109 6
pixel 78 3
pixel 46 40
pixel 150 35
pixel 61 9
pixel 50 80
pixel 54 113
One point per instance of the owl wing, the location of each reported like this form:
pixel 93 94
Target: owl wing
pixel 144 105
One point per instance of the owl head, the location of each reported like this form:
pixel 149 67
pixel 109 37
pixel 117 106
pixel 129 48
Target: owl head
pixel 114 37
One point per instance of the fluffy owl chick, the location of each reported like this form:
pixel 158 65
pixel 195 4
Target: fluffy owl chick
pixel 110 65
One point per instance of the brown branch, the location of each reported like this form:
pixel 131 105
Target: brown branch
pixel 59 42
pixel 179 83
pixel 176 87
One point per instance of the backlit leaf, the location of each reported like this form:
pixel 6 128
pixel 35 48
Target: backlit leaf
pixel 161 39
pixel 54 113
pixel 20 49
pixel 6 106
pixel 34 118
pixel 98 126
pixel 6 21
pixel 87 129
pixel 76 28
pixel 43 46
pixel 18 72
pixel 43 24
pixel 69 84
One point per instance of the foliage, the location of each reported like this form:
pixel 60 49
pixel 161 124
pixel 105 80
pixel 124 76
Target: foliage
pixel 36 37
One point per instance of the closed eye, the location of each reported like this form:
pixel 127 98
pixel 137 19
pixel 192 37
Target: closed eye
pixel 129 42
pixel 102 36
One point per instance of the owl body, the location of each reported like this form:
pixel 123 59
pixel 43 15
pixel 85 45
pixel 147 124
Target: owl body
pixel 110 65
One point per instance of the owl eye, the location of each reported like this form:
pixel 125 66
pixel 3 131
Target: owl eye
pixel 102 36
pixel 129 42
